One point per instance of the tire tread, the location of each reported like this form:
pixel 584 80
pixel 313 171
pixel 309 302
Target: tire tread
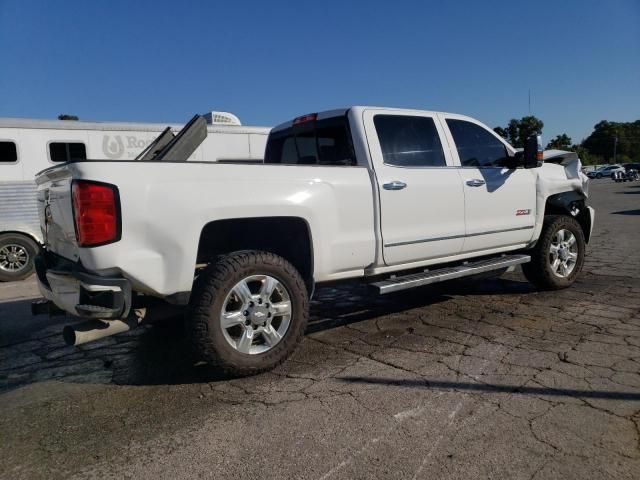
pixel 212 282
pixel 538 272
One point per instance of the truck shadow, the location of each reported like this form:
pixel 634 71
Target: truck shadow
pixel 627 212
pixel 158 354
pixel 493 388
pixel 333 308
pixel 495 177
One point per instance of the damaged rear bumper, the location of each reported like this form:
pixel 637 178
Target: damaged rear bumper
pixel 81 293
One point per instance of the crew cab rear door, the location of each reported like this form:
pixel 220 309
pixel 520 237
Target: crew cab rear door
pixel 500 201
pixel 421 197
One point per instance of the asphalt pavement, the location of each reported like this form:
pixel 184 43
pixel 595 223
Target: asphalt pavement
pixel 486 379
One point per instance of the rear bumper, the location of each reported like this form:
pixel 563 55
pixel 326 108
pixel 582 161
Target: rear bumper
pixel 82 293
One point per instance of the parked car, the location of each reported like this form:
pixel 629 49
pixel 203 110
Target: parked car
pixel 396 198
pixel 630 173
pixel 605 171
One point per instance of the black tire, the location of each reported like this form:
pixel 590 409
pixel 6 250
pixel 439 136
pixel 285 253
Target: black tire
pixel 10 242
pixel 539 271
pixel 211 288
pixel 598 175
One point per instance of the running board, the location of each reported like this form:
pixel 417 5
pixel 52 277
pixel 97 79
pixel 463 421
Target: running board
pixel 448 273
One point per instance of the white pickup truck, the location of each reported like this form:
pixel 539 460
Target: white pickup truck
pixel 398 198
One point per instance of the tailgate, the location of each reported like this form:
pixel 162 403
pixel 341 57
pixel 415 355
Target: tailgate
pixel 56 212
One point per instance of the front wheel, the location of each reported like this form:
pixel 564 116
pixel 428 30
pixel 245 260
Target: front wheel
pixel 16 257
pixel 248 312
pixel 557 258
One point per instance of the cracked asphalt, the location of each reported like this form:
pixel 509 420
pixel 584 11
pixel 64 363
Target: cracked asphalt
pixel 485 379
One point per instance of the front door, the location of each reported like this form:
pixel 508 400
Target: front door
pixel 421 196
pixel 500 202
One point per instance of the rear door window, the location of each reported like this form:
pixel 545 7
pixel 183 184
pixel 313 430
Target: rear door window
pixel 408 141
pixel 314 142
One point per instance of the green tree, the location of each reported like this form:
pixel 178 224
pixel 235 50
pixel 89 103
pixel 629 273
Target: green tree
pixel 529 125
pixel 512 132
pixel 64 116
pixel 561 142
pixel 624 137
pixel 517 131
pixel 502 132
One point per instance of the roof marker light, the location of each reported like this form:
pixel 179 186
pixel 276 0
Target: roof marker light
pixel 310 117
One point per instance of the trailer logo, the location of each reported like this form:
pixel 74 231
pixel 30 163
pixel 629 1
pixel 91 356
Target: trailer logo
pixel 113 149
pixel 525 211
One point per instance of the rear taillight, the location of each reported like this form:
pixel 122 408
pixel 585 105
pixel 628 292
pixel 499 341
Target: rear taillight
pixel 96 212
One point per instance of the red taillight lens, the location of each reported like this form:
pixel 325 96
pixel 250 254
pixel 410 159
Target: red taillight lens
pixel 96 210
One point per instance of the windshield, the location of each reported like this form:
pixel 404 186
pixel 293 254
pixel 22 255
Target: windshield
pixel 314 142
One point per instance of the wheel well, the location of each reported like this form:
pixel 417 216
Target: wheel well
pixel 566 203
pixel 288 237
pixel 22 234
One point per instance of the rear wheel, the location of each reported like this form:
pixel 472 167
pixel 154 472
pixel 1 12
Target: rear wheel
pixel 248 312
pixel 557 258
pixel 16 256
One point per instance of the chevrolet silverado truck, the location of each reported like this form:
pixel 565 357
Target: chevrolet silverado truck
pixel 393 197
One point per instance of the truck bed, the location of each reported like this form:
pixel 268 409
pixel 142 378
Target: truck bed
pixel 166 205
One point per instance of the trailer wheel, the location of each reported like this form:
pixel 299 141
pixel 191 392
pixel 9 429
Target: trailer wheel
pixel 557 258
pixel 16 256
pixel 248 312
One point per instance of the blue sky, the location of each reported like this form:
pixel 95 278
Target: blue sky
pixel 268 61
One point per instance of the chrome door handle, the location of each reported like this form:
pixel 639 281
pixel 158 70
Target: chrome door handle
pixel 475 182
pixel 395 185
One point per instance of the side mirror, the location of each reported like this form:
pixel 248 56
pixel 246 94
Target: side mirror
pixel 532 154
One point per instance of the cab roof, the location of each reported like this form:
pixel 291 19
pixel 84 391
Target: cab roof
pixel 358 108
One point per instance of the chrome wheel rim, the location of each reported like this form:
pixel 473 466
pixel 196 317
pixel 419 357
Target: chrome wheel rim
pixel 256 314
pixel 13 258
pixel 563 253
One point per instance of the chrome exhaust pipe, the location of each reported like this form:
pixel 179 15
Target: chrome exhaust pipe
pixel 96 329
pixel 92 330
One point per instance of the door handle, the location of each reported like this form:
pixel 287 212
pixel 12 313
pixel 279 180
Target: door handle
pixel 395 185
pixel 475 182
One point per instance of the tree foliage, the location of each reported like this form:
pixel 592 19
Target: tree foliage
pixel 517 131
pixel 502 132
pixel 64 116
pixel 560 142
pixel 602 140
pixel 596 149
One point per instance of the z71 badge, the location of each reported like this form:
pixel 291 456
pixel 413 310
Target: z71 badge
pixel 524 211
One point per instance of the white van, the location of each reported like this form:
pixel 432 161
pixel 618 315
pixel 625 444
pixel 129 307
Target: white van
pixel 28 146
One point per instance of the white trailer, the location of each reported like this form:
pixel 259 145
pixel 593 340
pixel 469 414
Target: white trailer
pixel 28 146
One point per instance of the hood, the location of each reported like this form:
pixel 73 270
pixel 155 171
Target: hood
pixel 560 164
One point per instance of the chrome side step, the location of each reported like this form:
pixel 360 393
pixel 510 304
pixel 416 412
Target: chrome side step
pixel 448 273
